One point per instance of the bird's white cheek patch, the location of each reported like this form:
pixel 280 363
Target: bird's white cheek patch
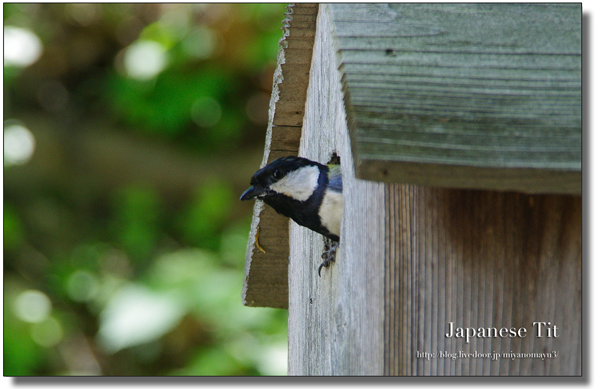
pixel 331 211
pixel 299 184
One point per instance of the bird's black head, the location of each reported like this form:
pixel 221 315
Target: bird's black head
pixel 294 177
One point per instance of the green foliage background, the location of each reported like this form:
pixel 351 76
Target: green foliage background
pixel 124 241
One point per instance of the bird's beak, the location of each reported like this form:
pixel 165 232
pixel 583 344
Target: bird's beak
pixel 252 193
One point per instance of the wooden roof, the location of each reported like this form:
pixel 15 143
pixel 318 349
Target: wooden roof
pixel 484 96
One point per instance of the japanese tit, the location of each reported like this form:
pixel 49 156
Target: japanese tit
pixel 306 191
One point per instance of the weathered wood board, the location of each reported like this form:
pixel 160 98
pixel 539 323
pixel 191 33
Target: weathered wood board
pixel 266 268
pixel 484 96
pixel 413 258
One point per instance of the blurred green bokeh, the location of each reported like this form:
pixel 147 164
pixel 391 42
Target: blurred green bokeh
pixel 129 132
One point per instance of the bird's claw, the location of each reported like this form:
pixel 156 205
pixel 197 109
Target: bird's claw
pixel 328 256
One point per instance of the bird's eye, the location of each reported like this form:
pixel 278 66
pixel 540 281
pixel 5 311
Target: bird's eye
pixel 277 174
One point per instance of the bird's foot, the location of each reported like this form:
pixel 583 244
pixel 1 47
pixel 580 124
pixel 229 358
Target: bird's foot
pixel 329 254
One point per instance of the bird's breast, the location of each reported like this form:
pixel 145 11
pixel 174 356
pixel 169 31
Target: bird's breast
pixel 331 211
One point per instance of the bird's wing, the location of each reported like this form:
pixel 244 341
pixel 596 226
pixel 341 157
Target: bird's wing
pixel 335 178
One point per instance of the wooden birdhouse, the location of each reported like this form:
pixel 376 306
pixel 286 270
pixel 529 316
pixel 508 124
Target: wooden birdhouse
pixel 458 131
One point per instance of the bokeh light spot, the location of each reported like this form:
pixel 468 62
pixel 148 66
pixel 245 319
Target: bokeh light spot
pixel 206 112
pixel 21 47
pixel 84 14
pixel 32 306
pixel 144 60
pixel 136 315
pixel 82 286
pixel 200 43
pixel 47 333
pixel 19 144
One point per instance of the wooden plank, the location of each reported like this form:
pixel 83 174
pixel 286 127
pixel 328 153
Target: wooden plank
pixel 266 267
pixel 454 88
pixel 334 328
pixel 482 259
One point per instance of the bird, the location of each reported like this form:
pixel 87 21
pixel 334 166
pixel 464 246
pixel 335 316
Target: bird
pixel 306 191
